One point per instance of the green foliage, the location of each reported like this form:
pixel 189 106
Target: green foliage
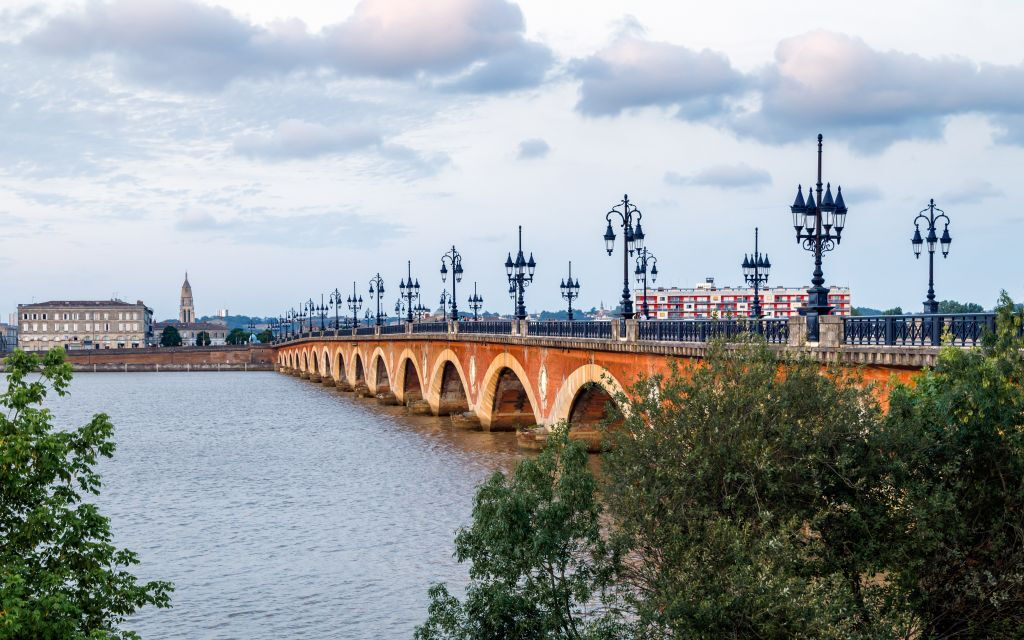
pixel 952 306
pixel 744 498
pixel 537 559
pixel 895 311
pixel 203 339
pixel 265 336
pixel 170 337
pixel 60 577
pixel 957 440
pixel 237 336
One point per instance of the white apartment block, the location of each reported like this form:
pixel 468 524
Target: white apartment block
pixel 84 324
pixel 705 300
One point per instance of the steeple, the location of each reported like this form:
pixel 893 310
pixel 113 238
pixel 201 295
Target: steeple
pixel 186 310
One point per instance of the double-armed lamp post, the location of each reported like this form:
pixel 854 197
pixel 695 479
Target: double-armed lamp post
pixel 819 226
pixel 476 302
pixel 377 292
pixel 336 302
pixel 632 240
pixel 454 258
pixel 930 218
pixel 755 273
pixel 520 276
pixel 410 291
pixel 354 305
pixel 645 259
pixel 570 290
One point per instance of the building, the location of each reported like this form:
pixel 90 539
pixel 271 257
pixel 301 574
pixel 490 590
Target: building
pixel 9 334
pixel 706 300
pixel 84 324
pixel 187 326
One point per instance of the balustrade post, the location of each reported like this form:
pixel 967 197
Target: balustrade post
pixel 935 330
pixel 408 327
pixel 453 327
pixel 830 331
pixel 890 330
pixel 632 329
pixel 797 331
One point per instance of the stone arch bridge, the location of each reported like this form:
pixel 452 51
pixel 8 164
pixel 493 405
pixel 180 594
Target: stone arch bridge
pixel 509 379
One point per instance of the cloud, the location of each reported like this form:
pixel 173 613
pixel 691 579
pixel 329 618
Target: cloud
pixel 316 230
pixel 971 192
pixel 723 176
pixel 298 139
pixel 818 81
pixel 533 148
pixel 633 72
pixel 466 45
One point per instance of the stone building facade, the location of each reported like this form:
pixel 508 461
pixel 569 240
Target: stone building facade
pixel 186 324
pixel 84 324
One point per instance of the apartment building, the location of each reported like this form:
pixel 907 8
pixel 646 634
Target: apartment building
pixel 84 324
pixel 706 300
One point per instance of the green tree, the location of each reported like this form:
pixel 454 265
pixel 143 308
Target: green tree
pixel 957 441
pixel 952 306
pixel 60 577
pixel 265 336
pixel 170 337
pixel 745 502
pixel 895 311
pixel 237 336
pixel 536 556
pixel 203 339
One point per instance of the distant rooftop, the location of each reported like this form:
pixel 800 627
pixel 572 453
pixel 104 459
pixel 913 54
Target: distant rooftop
pixel 80 303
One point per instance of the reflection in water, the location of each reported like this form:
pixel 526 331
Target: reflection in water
pixel 281 508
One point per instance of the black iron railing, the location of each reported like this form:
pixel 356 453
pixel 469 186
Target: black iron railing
pixel 430 327
pixel 566 329
pixel 922 330
pixel 393 328
pixel 366 331
pixel 495 327
pixel 774 330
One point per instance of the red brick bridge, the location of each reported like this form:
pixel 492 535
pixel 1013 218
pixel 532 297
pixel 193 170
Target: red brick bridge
pixel 503 376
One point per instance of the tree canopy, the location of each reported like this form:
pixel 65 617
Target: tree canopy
pixel 60 576
pixel 237 336
pixel 170 337
pixel 203 339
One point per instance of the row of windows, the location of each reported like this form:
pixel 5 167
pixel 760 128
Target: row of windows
pixel 65 338
pixel 88 315
pixel 121 326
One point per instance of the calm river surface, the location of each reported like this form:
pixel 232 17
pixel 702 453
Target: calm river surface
pixel 280 508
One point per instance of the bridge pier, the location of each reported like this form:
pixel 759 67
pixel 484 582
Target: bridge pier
pixel 465 420
pixel 387 398
pixel 327 381
pixel 418 407
pixel 343 385
pixel 304 375
pixel 314 377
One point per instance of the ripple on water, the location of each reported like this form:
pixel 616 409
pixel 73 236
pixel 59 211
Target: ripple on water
pixel 280 508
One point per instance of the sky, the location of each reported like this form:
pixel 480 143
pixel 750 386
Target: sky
pixel 277 151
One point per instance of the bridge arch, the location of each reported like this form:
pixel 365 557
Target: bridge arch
pixel 408 384
pixel 326 364
pixel 448 389
pixel 340 374
pixel 358 367
pixel 305 361
pixel 379 373
pixel 583 397
pixel 506 399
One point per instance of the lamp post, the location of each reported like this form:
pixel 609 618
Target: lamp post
pixel 409 290
pixel 377 292
pixel 632 240
pixel 520 276
pixel 454 258
pixel 755 272
pixel 819 226
pixel 290 329
pixel 310 313
pixel 570 290
pixel 928 215
pixel 354 305
pixel 420 310
pixel 446 301
pixel 322 312
pixel 644 258
pixel 476 302
pixel 336 302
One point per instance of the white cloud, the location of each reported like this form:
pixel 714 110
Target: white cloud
pixel 300 139
pixel 533 148
pixel 723 176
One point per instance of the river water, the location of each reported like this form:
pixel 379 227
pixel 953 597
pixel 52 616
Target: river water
pixel 280 508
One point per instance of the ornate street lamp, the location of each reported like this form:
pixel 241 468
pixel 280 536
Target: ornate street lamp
pixel 645 258
pixel 819 226
pixel 930 304
pixel 354 305
pixel 377 292
pixel 520 276
pixel 410 290
pixel 322 312
pixel 755 272
pixel 454 258
pixel 632 240
pixel 302 315
pixel 446 302
pixel 420 310
pixel 311 312
pixel 476 302
pixel 336 301
pixel 570 290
